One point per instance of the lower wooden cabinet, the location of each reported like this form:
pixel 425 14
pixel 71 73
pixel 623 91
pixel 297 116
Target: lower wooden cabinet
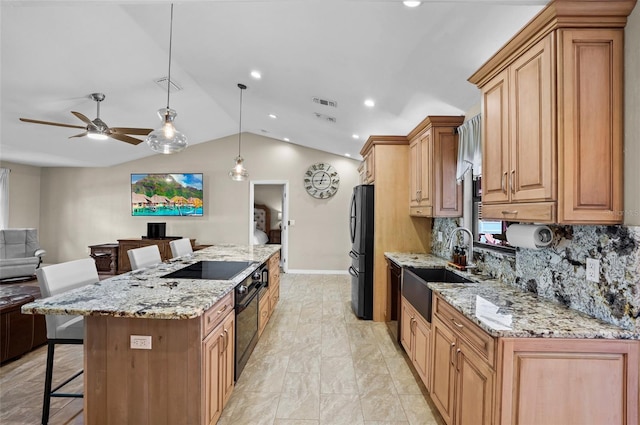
pixel 263 311
pixel 569 381
pixel 218 368
pixel 415 337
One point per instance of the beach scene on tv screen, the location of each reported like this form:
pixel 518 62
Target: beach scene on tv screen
pixel 166 194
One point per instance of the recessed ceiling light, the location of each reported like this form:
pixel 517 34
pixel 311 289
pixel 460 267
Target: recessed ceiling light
pixel 355 136
pixel 274 116
pixel 286 139
pixel 412 3
pixel 347 154
pixel 256 75
pixel 369 103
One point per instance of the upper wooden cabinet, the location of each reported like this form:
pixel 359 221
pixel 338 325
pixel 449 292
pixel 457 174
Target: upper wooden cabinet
pixel 433 155
pixel 552 117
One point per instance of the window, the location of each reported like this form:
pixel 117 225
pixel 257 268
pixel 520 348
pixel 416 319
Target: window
pixel 487 233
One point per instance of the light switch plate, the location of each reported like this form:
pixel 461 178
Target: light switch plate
pixel 439 236
pixel 593 270
pixel 140 342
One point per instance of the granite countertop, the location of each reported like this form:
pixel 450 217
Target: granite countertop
pixel 145 294
pixel 506 311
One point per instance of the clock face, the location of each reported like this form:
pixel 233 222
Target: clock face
pixel 321 180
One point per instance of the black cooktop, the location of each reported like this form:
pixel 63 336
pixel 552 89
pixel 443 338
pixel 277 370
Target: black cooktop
pixel 214 270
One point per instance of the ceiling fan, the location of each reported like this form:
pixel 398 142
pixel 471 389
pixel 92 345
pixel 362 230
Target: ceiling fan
pixel 97 129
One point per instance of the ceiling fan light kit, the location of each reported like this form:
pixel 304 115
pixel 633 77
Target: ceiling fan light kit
pixel 167 139
pixel 238 173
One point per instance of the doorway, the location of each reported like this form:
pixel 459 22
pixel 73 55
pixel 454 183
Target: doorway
pixel 275 195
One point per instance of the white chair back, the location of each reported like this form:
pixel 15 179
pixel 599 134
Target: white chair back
pixel 144 257
pixel 58 278
pixel 180 247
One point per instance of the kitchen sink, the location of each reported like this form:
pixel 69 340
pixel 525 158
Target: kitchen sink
pixel 416 291
pixel 439 275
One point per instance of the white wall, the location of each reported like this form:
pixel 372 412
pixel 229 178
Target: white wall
pixel 24 195
pixel 632 119
pixel 85 206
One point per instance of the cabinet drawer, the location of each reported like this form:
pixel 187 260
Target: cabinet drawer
pixel 274 261
pixel 263 312
pixel 421 211
pixel 542 212
pixel 474 336
pixel 215 314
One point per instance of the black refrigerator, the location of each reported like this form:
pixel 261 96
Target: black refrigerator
pixel 361 270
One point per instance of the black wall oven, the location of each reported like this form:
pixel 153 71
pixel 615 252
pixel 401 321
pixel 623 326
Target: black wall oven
pixel 246 306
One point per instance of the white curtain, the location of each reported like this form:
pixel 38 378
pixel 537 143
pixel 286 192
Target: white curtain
pixel 470 148
pixel 4 197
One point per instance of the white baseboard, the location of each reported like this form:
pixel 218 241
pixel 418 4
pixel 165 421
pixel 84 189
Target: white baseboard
pixel 294 271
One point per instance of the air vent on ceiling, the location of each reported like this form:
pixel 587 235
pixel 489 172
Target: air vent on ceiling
pixel 325 102
pixel 173 85
pixel 324 117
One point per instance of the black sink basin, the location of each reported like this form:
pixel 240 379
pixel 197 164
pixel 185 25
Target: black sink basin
pixel 439 275
pixel 416 291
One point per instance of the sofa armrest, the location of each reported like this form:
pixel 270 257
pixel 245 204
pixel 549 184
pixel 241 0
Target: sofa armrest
pixel 39 253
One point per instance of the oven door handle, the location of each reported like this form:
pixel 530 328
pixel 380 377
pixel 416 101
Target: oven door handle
pixel 241 307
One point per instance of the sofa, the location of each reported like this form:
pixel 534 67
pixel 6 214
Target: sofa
pixel 20 254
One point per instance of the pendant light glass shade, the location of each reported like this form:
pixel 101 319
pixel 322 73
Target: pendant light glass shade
pixel 238 173
pixel 167 139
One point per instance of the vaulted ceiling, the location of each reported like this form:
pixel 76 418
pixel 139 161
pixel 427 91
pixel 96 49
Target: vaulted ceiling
pixel 412 62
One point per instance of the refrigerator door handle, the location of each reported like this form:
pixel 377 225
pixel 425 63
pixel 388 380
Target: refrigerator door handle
pixel 353 272
pixel 353 218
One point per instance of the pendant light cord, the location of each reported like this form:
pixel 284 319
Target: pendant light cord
pixel 242 87
pixel 170 43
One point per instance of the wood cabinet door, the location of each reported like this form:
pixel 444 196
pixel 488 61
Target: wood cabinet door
pixel 227 362
pixel 443 370
pixel 426 169
pixel 474 392
pixel 447 193
pixel 414 173
pixel 591 132
pixel 213 346
pixel 406 323
pixel 495 139
pixel 369 167
pixel 422 349
pixel 532 125
pixel 263 312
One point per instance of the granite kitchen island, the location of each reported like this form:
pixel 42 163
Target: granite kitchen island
pixel 187 374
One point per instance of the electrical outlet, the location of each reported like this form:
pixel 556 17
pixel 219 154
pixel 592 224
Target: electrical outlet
pixel 140 342
pixel 593 270
pixel 439 236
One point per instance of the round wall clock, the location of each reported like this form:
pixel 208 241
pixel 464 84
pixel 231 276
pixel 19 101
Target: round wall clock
pixel 321 180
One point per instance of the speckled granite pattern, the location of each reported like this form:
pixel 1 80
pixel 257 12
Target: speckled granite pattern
pixel 496 265
pixel 446 226
pixel 559 272
pixel 145 294
pixel 531 315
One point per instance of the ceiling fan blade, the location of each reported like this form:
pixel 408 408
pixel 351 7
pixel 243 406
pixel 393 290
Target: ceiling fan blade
pixel 80 135
pixel 127 130
pixel 125 138
pixel 82 117
pixel 50 123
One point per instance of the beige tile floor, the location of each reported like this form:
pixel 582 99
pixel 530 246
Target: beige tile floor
pixel 317 363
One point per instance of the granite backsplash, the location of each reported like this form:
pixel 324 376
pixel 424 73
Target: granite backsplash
pixel 559 272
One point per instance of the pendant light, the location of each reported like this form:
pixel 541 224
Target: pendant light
pixel 238 172
pixel 167 139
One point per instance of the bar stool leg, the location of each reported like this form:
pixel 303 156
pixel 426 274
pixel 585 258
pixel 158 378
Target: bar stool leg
pixel 46 404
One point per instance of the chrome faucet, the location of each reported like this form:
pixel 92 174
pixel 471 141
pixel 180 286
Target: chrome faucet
pixel 470 250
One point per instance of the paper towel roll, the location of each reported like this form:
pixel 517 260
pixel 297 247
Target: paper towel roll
pixel 529 236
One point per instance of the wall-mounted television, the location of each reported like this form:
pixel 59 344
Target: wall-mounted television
pixel 170 194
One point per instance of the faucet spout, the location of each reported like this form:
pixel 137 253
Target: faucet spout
pixel 470 247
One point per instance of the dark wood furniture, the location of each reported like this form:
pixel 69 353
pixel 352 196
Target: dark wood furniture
pixel 19 333
pixel 275 236
pixel 126 244
pixel 106 256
